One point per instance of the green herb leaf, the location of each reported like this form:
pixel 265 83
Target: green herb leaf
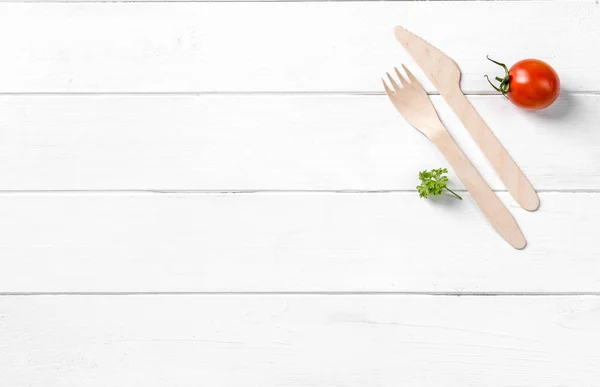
pixel 433 183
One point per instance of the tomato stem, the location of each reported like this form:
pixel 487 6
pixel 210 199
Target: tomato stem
pixel 504 86
pixel 494 86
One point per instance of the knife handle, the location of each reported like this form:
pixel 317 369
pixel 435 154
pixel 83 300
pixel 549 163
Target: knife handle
pixel 513 178
pixel 493 209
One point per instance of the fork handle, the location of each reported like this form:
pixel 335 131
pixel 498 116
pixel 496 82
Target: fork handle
pixel 493 209
pixel 513 178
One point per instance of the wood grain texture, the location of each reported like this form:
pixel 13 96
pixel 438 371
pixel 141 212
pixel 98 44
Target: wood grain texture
pixel 414 105
pixel 445 75
pixel 490 205
pixel 321 46
pixel 323 341
pixel 291 242
pixel 506 168
pixel 273 142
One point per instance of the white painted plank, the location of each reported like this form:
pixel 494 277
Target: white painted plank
pixel 200 1
pixel 241 142
pixel 323 341
pixel 291 242
pixel 319 46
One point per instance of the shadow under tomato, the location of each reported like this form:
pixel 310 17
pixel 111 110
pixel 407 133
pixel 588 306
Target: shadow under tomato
pixel 564 107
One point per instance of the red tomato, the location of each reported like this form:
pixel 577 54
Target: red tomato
pixel 529 84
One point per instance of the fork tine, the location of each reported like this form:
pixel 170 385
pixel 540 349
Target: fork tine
pixel 396 87
pixel 402 79
pixel 409 74
pixel 387 89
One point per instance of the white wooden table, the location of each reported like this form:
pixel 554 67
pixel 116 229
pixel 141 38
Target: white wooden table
pixel 219 194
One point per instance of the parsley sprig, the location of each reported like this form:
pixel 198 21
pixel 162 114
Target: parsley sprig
pixel 433 183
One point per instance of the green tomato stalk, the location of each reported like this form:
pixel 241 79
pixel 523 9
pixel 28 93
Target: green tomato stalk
pixel 504 82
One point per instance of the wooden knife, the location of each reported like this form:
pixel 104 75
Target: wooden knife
pixel 445 75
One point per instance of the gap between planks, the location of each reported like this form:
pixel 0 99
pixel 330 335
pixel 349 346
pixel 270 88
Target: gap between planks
pixel 254 192
pixel 309 293
pixel 564 93
pixel 249 1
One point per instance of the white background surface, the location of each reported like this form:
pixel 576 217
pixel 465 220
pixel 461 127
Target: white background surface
pixel 219 194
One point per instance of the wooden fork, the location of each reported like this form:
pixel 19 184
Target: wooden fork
pixel 413 103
